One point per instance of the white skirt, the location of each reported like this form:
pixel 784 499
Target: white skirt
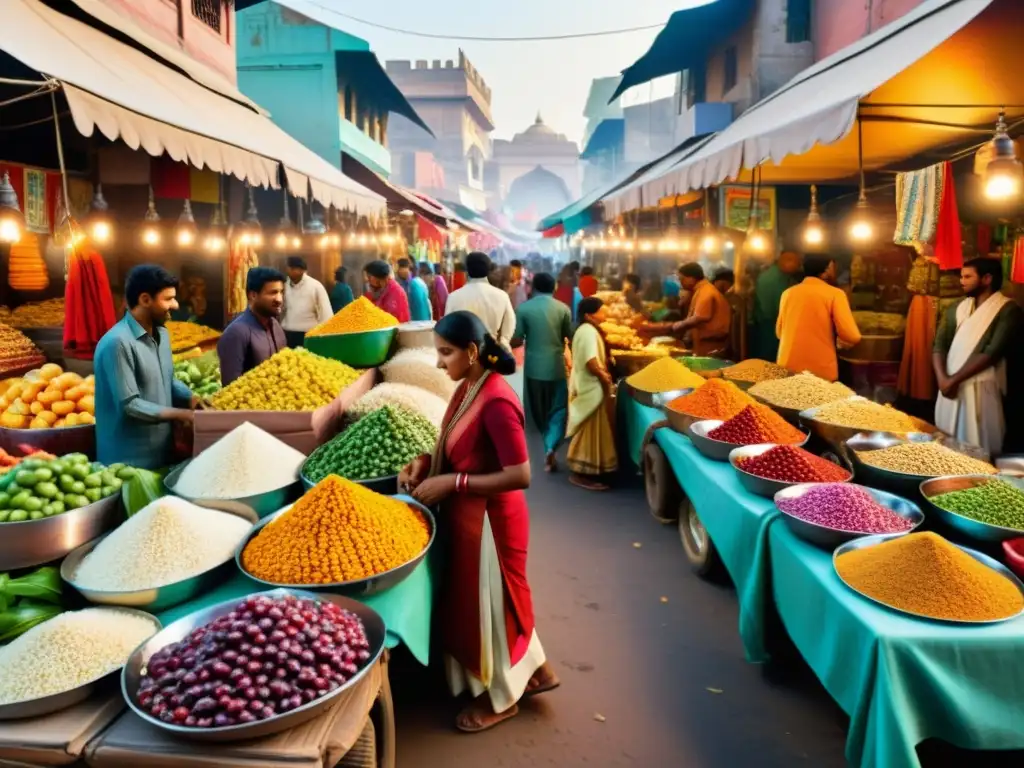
pixel 503 682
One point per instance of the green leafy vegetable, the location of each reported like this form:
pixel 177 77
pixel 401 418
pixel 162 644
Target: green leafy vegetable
pixel 43 584
pixel 22 617
pixel 140 490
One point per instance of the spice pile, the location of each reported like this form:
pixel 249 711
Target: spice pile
pixel 800 392
pixel 264 658
pixel 378 445
pixel 187 335
pixel 359 316
pixel 245 462
pixel 291 380
pixel 665 375
pixel 170 540
pixel 48 397
pixel 865 415
pixel 926 460
pixel 337 532
pixel 418 368
pixel 754 370
pixel 994 502
pixel 41 488
pixel 844 507
pixel 757 424
pixel 70 650
pixel 17 352
pixel 924 574
pixel 789 464
pixel 405 396
pixel 717 399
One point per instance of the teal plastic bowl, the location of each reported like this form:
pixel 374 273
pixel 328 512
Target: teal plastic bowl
pixel 365 349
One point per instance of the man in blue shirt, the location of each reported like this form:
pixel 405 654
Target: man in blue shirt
pixel 137 396
pixel 415 289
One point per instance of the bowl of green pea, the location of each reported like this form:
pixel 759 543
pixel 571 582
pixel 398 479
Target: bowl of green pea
pixel 981 507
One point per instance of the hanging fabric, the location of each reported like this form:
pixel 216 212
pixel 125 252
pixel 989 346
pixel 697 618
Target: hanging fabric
pixel 918 198
pixel 88 302
pixel 1017 266
pixel 948 245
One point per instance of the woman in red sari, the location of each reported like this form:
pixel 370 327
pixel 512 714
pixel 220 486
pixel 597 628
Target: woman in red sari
pixel 478 473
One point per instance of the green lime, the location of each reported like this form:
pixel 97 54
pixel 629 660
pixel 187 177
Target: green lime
pixel 32 504
pixel 58 507
pixel 37 515
pixel 95 480
pixel 93 494
pixel 26 478
pixel 78 487
pixel 43 474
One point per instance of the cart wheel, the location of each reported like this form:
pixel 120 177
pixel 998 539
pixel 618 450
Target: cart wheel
pixel 699 548
pixel 663 491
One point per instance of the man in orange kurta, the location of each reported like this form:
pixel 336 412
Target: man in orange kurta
pixel 709 317
pixel 812 316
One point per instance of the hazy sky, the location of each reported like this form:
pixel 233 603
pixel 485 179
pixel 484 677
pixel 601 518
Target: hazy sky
pixel 550 77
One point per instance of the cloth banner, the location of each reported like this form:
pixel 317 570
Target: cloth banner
pixel 948 245
pixel 37 190
pixel 89 305
pixel 172 180
pixel 1017 267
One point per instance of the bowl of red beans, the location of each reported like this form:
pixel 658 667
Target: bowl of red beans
pixel 766 469
pixel 716 439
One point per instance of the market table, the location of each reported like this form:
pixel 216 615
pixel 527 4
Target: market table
pixel 901 680
pixel 736 520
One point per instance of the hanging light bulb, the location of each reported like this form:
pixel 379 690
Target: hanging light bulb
pixel 98 224
pixel 285 229
pixel 296 242
pixel 216 237
pixel 814 231
pixel 709 242
pixel 1004 173
pixel 186 230
pixel 315 225
pixel 646 246
pixel 249 231
pixel 151 228
pixel 12 220
pixel 862 228
pixel 756 242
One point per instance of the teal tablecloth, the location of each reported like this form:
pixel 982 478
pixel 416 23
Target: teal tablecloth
pixel 405 608
pixel 736 520
pixel 901 680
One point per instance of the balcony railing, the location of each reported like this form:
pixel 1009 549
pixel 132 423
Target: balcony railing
pixel 210 12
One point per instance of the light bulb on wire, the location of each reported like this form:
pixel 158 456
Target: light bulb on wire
pixel 1004 174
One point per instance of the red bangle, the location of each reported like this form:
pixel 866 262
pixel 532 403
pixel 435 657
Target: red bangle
pixel 461 482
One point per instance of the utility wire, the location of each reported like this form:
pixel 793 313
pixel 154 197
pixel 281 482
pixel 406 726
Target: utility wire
pixel 485 39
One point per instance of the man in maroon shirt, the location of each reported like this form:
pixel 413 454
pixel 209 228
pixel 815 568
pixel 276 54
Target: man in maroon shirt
pixel 256 334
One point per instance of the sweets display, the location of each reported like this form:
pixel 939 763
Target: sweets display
pixel 17 352
pixel 187 335
pixel 789 464
pixel 359 316
pixel 35 314
pixel 48 397
pixel 665 375
pixel 717 399
pixel 291 380
pixel 800 392
pixel 995 502
pixel 757 424
pixel 925 459
pixel 844 507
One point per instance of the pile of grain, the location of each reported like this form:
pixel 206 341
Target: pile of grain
pixel 925 460
pixel 800 392
pixel 755 370
pixel 405 396
pixel 245 462
pixel 167 541
pixel 866 415
pixel 418 367
pixel 70 650
pixel 665 375
pixel 359 316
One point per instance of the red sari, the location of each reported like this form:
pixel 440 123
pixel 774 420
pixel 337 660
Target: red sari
pixel 489 635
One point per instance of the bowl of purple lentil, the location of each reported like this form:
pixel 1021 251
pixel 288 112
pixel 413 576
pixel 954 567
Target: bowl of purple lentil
pixel 830 514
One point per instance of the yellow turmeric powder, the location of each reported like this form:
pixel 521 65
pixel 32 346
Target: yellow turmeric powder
pixel 665 375
pixel 361 315
pixel 337 532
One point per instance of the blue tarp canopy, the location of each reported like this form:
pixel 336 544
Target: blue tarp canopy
pixel 690 36
pixel 609 134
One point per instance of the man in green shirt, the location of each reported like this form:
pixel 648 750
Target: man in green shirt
pixel 544 324
pixel 974 361
pixel 770 286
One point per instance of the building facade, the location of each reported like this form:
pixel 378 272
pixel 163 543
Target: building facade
pixel 837 24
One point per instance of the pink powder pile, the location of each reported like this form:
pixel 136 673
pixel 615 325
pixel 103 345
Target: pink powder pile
pixel 844 507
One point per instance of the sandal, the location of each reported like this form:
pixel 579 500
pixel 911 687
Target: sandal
pixel 479 717
pixel 587 485
pixel 550 463
pixel 550 683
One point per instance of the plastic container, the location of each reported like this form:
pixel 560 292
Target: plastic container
pixel 365 349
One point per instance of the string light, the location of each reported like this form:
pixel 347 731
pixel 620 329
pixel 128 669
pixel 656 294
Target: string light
pixel 151 229
pixel 98 223
pixel 216 237
pixel 814 232
pixel 861 228
pixel 186 230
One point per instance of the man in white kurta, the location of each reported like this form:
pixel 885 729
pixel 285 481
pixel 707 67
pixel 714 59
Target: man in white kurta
pixel 492 305
pixel 970 358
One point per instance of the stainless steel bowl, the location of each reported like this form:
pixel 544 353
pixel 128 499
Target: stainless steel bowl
pixel 131 675
pixel 973 529
pixel 387 486
pixel 55 702
pixel 680 422
pixel 654 399
pixel 717 450
pixel 792 415
pixel 258 505
pixel 871 541
pixel 34 542
pixel 371 585
pixel 898 482
pixel 154 599
pixel 761 486
pixel 836 435
pixel 830 538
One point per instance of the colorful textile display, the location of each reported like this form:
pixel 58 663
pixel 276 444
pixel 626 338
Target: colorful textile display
pixel 242 259
pixel 918 198
pixel 88 303
pixel 948 244
pixel 1017 266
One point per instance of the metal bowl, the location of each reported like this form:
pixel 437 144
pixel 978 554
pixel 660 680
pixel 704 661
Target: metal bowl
pixel 154 599
pixel 901 483
pixel 654 399
pixel 973 529
pixel 251 508
pixel 131 676
pixel 363 349
pixel 34 542
pixel 56 440
pixel 762 486
pixel 370 585
pixel 680 422
pixel 792 415
pixel 836 435
pixel 386 486
pixel 871 541
pixel 57 701
pixel 718 450
pixel 830 538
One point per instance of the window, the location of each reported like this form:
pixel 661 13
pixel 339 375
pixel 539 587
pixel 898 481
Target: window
pixel 731 69
pixel 208 12
pixel 696 86
pixel 798 21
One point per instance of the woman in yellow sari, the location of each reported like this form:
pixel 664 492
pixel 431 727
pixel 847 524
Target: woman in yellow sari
pixel 591 396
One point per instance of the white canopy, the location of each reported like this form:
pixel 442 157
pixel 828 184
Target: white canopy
pixel 924 81
pixel 132 96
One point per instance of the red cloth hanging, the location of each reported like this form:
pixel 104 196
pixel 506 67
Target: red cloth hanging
pixel 948 246
pixel 89 305
pixel 984 239
pixel 1017 267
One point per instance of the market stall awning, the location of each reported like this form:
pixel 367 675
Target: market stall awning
pixel 363 70
pixel 128 93
pixel 933 79
pixel 686 41
pixel 397 197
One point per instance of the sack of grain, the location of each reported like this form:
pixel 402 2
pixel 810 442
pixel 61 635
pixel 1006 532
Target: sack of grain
pixel 418 367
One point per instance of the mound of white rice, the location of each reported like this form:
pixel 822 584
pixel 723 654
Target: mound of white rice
pixel 418 367
pixel 415 399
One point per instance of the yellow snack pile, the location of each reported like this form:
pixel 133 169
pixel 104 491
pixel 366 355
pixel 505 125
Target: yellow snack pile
pixel 187 335
pixel 291 380
pixel 665 375
pixel 361 315
pixel 48 397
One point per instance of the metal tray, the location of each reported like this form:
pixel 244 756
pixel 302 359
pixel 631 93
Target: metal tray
pixel 830 538
pixel 897 482
pixel 973 529
pixel 56 440
pixel 680 422
pixel 654 399
pixel 836 435
pixel 251 508
pixel 34 542
pixel 870 541
pixel 762 486
pixel 131 675
pixel 55 702
pixel 370 585
pixel 387 486
pixel 154 599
